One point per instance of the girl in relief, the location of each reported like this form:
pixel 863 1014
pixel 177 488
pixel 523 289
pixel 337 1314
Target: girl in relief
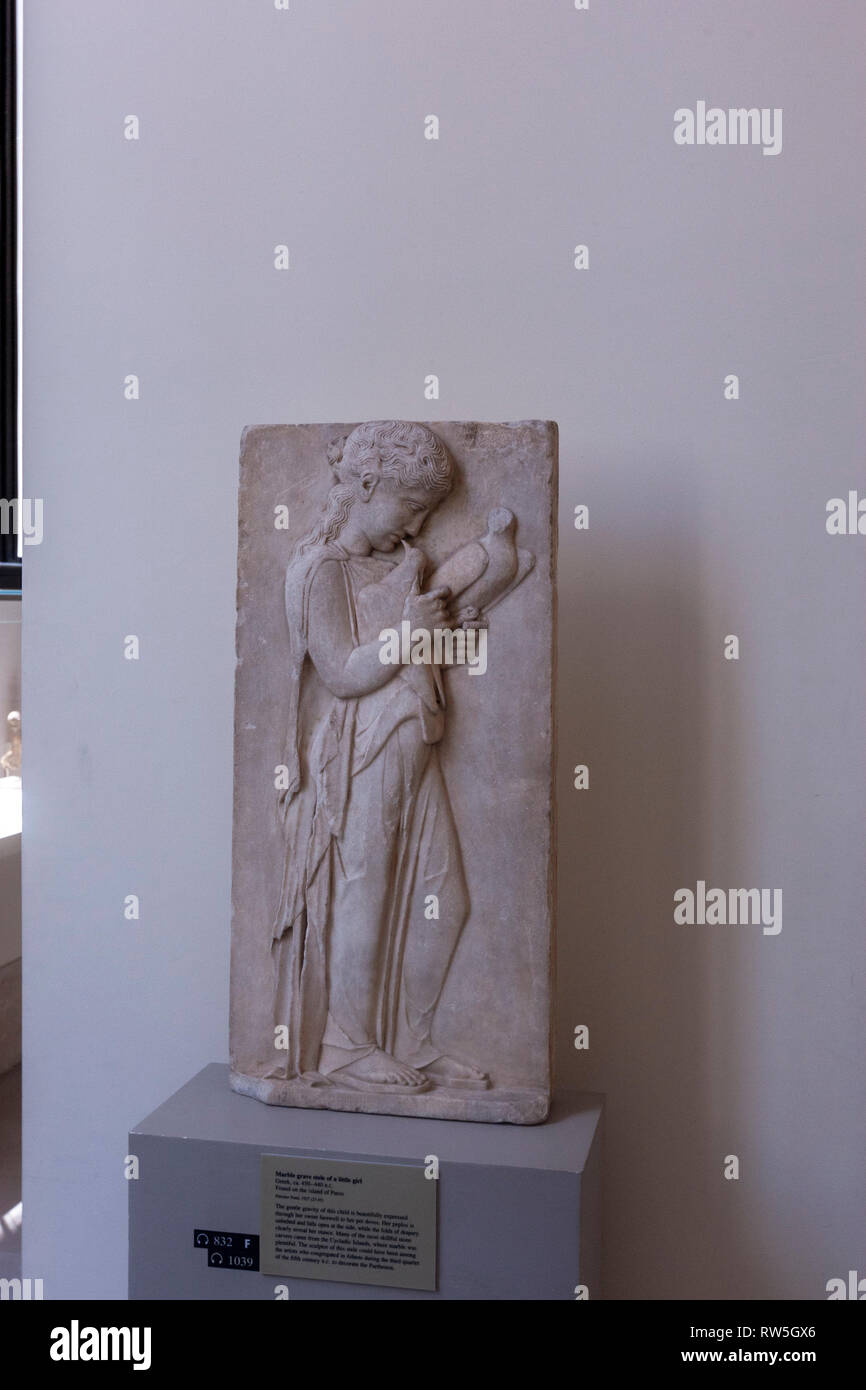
pixel 359 966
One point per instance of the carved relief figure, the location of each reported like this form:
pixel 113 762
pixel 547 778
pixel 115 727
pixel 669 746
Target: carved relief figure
pixel 359 964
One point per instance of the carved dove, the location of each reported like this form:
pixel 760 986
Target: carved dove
pixel 484 571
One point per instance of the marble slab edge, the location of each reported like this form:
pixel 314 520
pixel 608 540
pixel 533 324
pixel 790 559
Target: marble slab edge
pixel 524 1106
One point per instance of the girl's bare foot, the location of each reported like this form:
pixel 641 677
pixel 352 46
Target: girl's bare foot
pixel 381 1069
pixel 450 1071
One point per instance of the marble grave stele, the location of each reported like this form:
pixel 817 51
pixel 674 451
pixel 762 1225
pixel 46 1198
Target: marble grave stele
pixel 393 847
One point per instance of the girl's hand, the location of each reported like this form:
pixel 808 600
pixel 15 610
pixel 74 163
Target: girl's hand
pixel 427 611
pixel 470 617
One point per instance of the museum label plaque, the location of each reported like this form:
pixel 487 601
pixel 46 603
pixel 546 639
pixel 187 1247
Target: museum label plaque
pixel 360 1223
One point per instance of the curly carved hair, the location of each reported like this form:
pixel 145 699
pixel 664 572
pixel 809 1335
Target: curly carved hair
pixel 406 452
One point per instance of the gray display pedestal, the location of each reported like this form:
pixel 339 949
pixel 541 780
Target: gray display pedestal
pixel 518 1205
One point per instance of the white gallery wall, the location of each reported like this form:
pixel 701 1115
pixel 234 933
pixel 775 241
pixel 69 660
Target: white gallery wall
pixel 409 257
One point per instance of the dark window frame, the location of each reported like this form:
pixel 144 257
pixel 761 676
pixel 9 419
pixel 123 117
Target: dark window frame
pixel 10 564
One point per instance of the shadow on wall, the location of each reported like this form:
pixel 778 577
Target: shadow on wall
pixel 646 701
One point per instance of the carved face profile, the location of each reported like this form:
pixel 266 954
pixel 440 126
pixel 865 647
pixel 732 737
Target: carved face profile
pixel 387 512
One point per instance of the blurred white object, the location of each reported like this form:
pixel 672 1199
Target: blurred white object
pixel 10 806
pixel 11 760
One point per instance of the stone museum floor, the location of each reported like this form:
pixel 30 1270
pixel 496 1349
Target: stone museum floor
pixel 10 1174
